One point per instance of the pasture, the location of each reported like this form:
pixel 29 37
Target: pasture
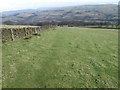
pixel 65 57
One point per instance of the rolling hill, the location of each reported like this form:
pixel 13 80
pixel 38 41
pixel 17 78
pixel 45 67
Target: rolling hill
pixel 103 12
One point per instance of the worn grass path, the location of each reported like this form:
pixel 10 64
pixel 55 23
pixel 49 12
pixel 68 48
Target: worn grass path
pixel 62 58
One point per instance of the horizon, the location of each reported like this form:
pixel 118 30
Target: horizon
pixel 37 4
pixel 46 8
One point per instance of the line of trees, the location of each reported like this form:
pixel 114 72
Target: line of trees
pixel 68 23
pixel 76 23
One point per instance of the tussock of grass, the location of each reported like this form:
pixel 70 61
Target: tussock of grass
pixel 28 37
pixel 37 34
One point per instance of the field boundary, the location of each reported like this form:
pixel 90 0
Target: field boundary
pixel 11 34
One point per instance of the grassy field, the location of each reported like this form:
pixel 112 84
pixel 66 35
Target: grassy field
pixel 65 57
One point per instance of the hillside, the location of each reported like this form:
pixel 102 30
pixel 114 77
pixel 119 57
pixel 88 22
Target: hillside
pixel 107 12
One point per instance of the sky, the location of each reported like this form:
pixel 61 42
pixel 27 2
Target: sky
pixel 8 5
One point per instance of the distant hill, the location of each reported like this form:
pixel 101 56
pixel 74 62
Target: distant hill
pixel 24 10
pixel 16 11
pixel 104 12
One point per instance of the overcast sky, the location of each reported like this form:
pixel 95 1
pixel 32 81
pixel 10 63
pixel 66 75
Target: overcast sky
pixel 6 5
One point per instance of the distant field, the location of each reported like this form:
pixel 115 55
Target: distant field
pixel 65 57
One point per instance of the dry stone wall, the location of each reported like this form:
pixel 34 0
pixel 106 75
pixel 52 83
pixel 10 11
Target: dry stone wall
pixel 11 34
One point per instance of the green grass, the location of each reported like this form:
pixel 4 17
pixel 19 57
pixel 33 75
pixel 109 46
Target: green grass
pixel 62 58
